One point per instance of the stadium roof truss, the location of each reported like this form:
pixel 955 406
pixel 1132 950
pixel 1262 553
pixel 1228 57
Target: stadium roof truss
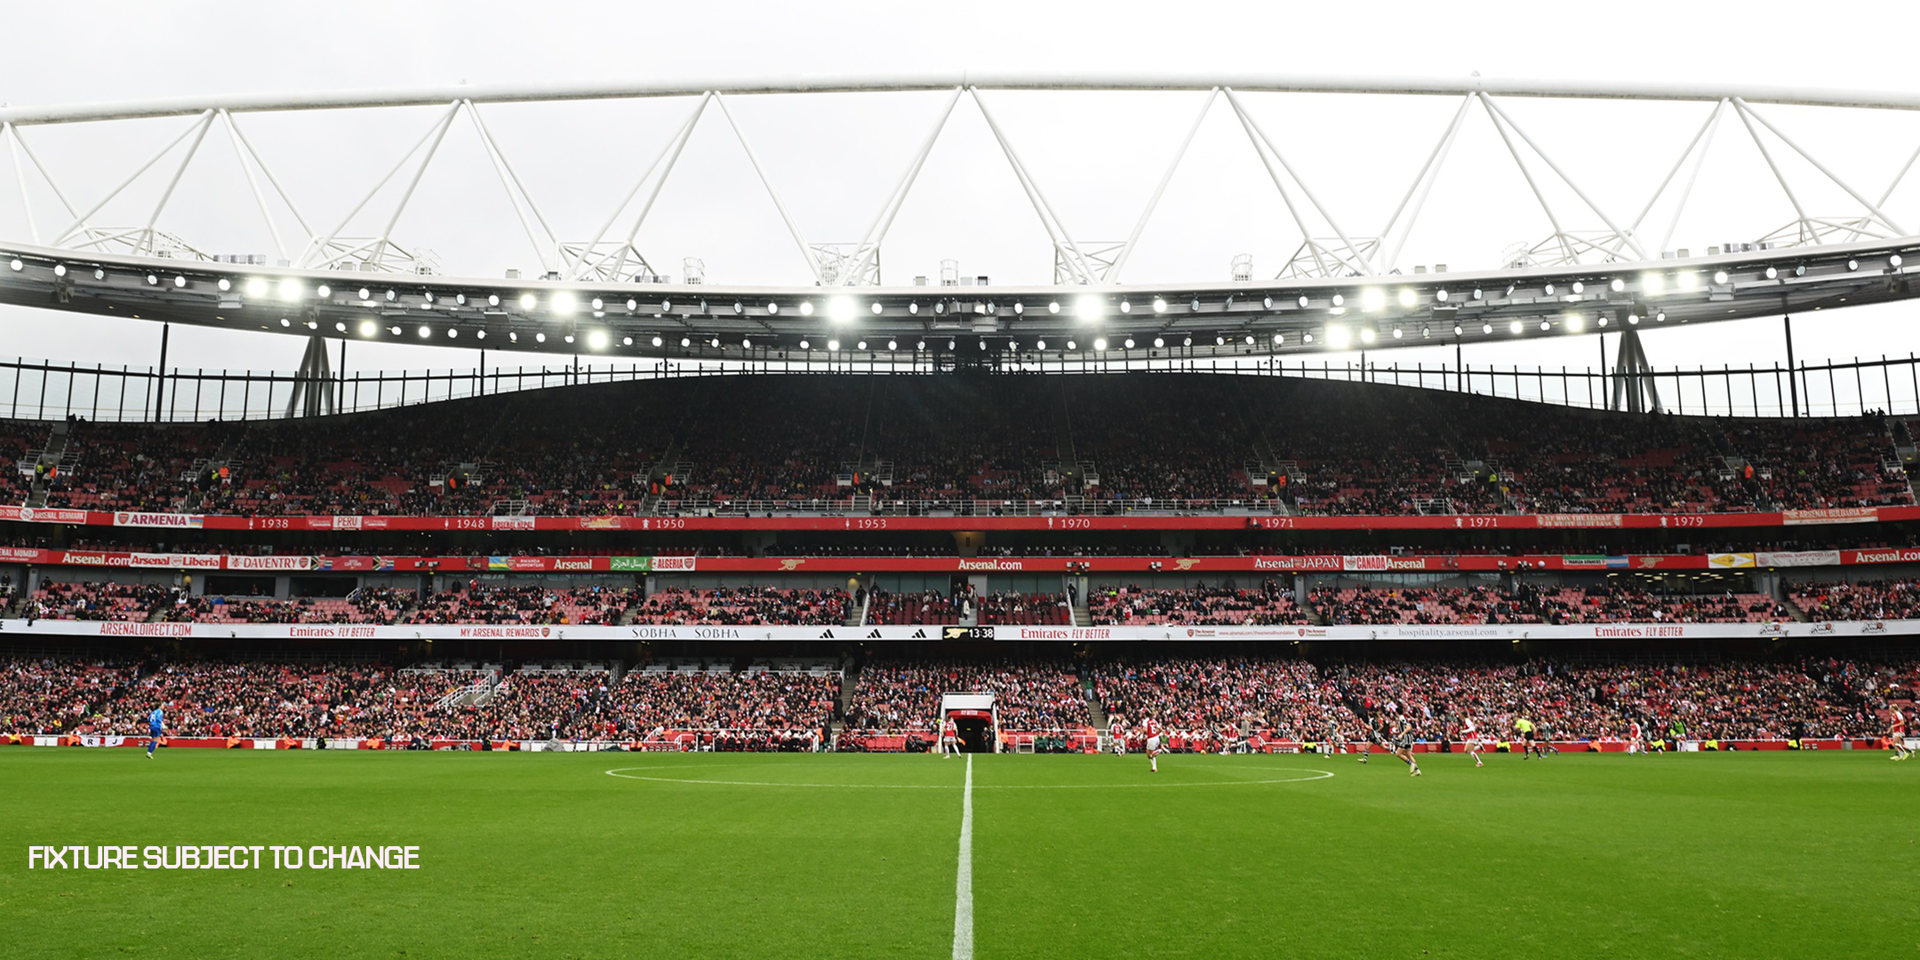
pixel 1342 288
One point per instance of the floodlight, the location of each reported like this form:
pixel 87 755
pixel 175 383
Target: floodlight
pixel 367 328
pixel 1373 299
pixel 527 301
pixel 564 303
pixel 597 340
pixel 1407 297
pixel 1089 307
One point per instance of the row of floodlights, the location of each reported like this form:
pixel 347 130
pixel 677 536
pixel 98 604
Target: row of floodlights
pixel 1086 306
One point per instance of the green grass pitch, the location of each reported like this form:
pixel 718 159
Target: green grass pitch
pixel 714 856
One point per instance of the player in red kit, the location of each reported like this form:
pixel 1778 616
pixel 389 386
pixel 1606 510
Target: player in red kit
pixel 949 738
pixel 1117 734
pixel 1897 734
pixel 1151 730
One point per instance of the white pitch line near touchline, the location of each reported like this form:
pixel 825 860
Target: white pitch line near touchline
pixel 963 881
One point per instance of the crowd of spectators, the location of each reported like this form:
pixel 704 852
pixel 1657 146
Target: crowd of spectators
pixel 745 606
pixel 1201 605
pixel 484 603
pixel 898 695
pixel 757 708
pixel 1365 605
pixel 1341 448
pixel 1894 599
pixel 95 600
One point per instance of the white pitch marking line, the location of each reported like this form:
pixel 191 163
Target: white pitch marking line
pixel 963 882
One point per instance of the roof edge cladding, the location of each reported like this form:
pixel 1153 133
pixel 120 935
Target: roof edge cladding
pixel 918 82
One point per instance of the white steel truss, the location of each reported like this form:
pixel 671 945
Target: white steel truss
pixel 1582 232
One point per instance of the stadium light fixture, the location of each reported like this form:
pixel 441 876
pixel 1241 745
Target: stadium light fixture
pixel 875 308
pixel 1515 328
pixel 16 264
pixel 1408 298
pixel 1602 321
pixel 1773 274
pixel 1546 325
pixel 1053 306
pixel 479 334
pixel 1373 299
pixel 460 299
pixel 1548 289
pixel 527 301
pixel 624 341
pixel 1633 319
pixel 1219 341
pixel 339 326
pixel 861 345
pixel 99 273
pixel 715 343
pixel 656 341
pixel 1853 264
pixel 1458 330
pixel 368 329
pixel 1479 294
pixel 1339 300
pixel 598 304
pixel 453 333
pixel 565 303
pixel 1440 295
pixel 1306 338
pixel 1186 341
pixel 833 346
pixel 426 295
pixel 1338 337
pixel 739 308
pixel 1720 277
pixel 1087 306
pixel 1037 345
pixel 1653 284
pixel 1279 338
pixel 539 338
pixel 686 342
pixel 152 281
pixel 325 291
pixel 1893 260
pixel 1267 301
pixel 1072 346
pixel 772 308
pixel 893 344
pixel 1660 317
pixel 1687 281
pixel 1100 344
pixel 1426 332
pixel 1127 343
pixel 1303 301
pixel 1159 305
pixel 512 337
pixel 1618 285
pixel 913 307
pixel 261 287
pixel 1019 309
pixel 806 308
pixel 425 332
pixel 395 330
pixel 950 344
pixel 285 322
pixel 1194 305
pixel 493 299
pixel 1486 328
pixel 1126 306
pixel 1397 332
pixel 597 340
pixel 180 282
pixel 1574 323
pixel 922 345
pixel 1366 334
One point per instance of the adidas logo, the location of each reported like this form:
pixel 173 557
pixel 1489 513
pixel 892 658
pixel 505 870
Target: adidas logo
pixel 826 635
pixel 917 634
pixel 875 635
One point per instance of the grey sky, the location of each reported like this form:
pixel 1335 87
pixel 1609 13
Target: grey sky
pixel 833 158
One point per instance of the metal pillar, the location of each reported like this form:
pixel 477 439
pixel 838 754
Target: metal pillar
pixel 1793 378
pixel 1634 388
pixel 313 394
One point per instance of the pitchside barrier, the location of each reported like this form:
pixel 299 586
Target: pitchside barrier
pixel 1388 631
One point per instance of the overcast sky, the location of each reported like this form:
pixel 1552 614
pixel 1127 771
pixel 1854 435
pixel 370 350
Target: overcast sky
pixel 833 159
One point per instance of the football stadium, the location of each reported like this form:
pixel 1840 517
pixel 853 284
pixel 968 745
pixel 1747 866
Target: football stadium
pixel 1354 593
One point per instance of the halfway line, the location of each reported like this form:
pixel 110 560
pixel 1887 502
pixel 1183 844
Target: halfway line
pixel 963 884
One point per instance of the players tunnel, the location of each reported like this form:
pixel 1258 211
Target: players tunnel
pixel 975 728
